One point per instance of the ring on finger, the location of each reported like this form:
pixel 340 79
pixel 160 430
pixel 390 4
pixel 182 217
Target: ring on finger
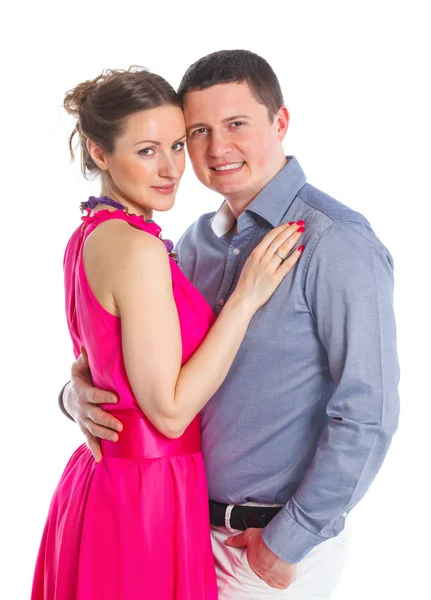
pixel 282 258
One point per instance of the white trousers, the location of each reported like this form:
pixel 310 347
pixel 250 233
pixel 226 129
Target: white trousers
pixel 316 578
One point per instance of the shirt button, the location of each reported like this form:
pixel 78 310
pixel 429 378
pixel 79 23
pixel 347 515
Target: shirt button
pixel 221 301
pixel 345 514
pixel 236 251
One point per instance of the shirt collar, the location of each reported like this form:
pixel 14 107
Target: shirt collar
pixel 271 203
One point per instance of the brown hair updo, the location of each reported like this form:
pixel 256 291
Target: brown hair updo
pixel 102 105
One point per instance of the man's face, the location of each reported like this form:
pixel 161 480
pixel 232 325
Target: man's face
pixel 234 148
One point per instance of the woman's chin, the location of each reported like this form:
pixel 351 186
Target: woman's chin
pixel 164 205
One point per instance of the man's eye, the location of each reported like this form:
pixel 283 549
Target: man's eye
pixel 200 130
pixel 237 123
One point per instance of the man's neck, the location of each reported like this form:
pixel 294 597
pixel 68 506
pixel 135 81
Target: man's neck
pixel 239 202
pixel 238 205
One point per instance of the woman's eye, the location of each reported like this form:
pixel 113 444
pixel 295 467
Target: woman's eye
pixel 146 152
pixel 178 146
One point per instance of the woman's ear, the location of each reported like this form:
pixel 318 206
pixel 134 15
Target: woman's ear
pixel 98 155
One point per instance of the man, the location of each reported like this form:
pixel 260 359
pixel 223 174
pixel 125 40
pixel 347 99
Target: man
pixel 297 432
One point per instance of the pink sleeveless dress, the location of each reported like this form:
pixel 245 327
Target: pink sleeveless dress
pixel 134 526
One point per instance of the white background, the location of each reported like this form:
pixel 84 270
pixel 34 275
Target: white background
pixel 355 77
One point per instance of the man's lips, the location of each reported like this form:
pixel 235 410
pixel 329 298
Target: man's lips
pixel 226 168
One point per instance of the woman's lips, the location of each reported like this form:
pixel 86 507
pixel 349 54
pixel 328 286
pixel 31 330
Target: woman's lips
pixel 164 189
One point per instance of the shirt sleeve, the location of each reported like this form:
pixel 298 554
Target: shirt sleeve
pixel 349 291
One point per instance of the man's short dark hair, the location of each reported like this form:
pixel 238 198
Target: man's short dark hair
pixel 235 66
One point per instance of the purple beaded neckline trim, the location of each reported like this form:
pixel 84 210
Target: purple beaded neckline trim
pixel 92 202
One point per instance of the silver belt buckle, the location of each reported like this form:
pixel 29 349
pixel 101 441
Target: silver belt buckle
pixel 227 515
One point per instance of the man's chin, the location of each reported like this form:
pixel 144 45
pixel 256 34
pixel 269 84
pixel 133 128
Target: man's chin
pixel 226 188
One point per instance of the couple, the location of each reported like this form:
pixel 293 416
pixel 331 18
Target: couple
pixel 303 388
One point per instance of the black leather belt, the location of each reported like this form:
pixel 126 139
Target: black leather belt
pixel 242 517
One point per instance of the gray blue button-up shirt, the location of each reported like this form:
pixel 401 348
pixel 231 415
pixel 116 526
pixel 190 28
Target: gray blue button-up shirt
pixel 307 412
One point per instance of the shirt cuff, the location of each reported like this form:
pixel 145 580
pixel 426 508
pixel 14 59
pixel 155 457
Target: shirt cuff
pixel 61 402
pixel 289 540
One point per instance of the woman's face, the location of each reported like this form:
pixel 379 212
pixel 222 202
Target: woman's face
pixel 145 168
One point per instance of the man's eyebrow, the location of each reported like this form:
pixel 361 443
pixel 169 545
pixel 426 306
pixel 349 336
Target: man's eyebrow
pixel 232 118
pixel 236 118
pixel 155 143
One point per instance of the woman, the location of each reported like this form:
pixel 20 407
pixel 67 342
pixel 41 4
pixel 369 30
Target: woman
pixel 122 528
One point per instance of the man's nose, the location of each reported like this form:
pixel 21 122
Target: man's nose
pixel 219 144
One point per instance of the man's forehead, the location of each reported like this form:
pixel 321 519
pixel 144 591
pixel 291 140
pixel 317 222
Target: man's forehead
pixel 218 102
pixel 219 90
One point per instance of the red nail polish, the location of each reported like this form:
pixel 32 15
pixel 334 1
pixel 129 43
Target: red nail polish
pixel 300 230
pixel 301 222
pixel 291 222
pixel 301 248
